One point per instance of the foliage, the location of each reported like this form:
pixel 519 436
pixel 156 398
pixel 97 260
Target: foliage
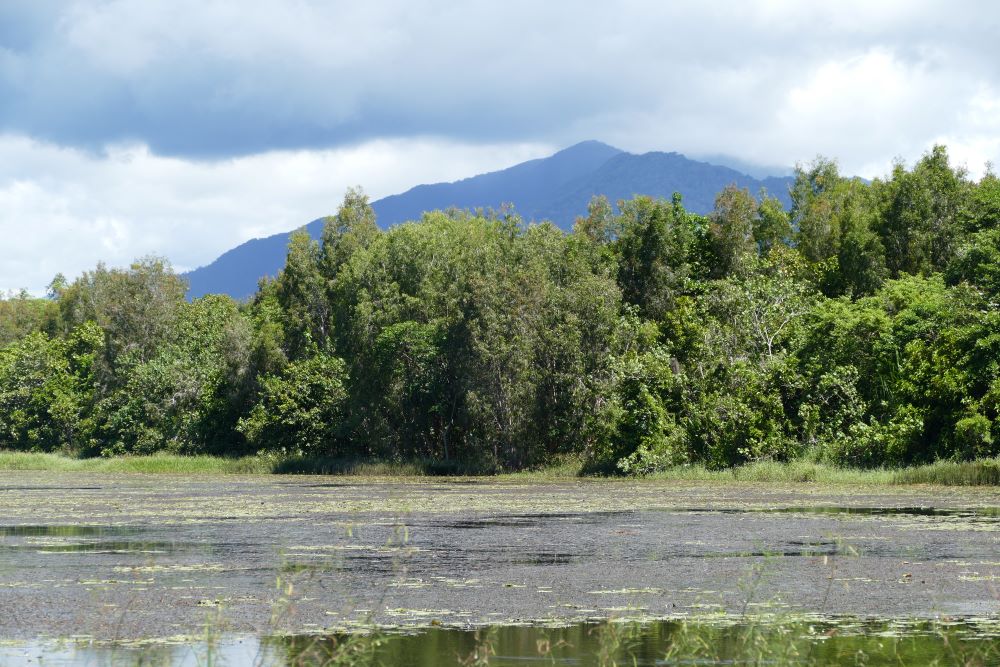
pixel 46 391
pixel 299 410
pixel 858 328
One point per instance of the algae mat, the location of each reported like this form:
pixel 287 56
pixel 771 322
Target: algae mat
pixel 130 557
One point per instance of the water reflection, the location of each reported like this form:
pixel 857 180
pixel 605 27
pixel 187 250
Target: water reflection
pixel 68 530
pixel 814 642
pixel 90 539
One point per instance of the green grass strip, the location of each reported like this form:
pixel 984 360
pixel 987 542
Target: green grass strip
pixel 981 472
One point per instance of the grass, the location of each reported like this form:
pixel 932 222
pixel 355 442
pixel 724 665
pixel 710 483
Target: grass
pixel 157 463
pixel 982 472
pixel 771 471
pixel 326 465
pixel 219 465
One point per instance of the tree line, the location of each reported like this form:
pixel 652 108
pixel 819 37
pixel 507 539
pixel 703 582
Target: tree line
pixel 859 327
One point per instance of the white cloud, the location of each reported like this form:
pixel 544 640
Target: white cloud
pixel 759 79
pixel 316 95
pixel 64 210
pixel 975 139
pixel 872 106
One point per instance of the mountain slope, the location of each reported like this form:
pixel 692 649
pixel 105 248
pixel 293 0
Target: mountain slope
pixel 528 185
pixel 656 175
pixel 555 188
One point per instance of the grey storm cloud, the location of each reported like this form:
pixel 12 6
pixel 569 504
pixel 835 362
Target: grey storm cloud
pixel 210 79
pixel 184 127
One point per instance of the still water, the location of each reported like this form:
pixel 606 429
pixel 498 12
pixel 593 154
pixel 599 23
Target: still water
pixel 803 642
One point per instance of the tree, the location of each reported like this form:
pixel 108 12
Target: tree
pixel 977 261
pixel 21 314
pixel 922 214
pixel 47 391
pixel 188 397
pixel 815 208
pixel 762 307
pixel 301 292
pixel 772 226
pixel 731 226
pixel 136 308
pixel 656 253
pixel 983 209
pixel 299 411
pixel 353 227
pixel 600 224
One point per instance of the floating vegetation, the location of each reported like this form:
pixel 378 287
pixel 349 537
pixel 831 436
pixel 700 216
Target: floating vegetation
pixel 194 567
pixel 132 556
pixel 628 591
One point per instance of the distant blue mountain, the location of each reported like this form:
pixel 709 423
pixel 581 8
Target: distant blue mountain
pixel 556 188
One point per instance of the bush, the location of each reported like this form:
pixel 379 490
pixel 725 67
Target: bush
pixel 299 411
pixel 973 438
pixel 873 444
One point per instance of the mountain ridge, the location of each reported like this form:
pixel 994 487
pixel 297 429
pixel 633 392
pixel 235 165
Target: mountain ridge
pixel 556 188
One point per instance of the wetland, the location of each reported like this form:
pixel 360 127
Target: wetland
pixel 95 564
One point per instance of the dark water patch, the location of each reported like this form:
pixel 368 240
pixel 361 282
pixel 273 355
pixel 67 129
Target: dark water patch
pixel 499 522
pixel 372 564
pixel 429 561
pixel 300 567
pixel 530 520
pixel 787 549
pixel 967 512
pixel 973 513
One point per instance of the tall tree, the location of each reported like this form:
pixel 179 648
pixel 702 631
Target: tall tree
pixel 922 214
pixel 353 227
pixel 657 252
pixel 815 209
pixel 772 225
pixel 136 308
pixel 302 295
pixel 731 225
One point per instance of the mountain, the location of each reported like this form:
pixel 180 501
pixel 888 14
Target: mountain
pixel 529 186
pixel 657 175
pixel 555 188
pixel 744 167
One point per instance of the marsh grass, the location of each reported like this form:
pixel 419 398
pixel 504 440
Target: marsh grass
pixel 157 463
pixel 772 471
pixel 616 641
pixel 981 472
pixel 325 465
pixel 217 465
pixel 789 639
pixel 359 646
pixel 816 643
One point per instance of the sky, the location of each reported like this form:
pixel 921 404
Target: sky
pixel 182 128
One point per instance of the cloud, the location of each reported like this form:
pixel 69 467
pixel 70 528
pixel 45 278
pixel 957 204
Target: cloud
pixel 183 127
pixel 63 210
pixel 774 80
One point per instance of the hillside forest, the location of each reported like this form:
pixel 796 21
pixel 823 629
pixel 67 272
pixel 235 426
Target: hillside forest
pixel 860 327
